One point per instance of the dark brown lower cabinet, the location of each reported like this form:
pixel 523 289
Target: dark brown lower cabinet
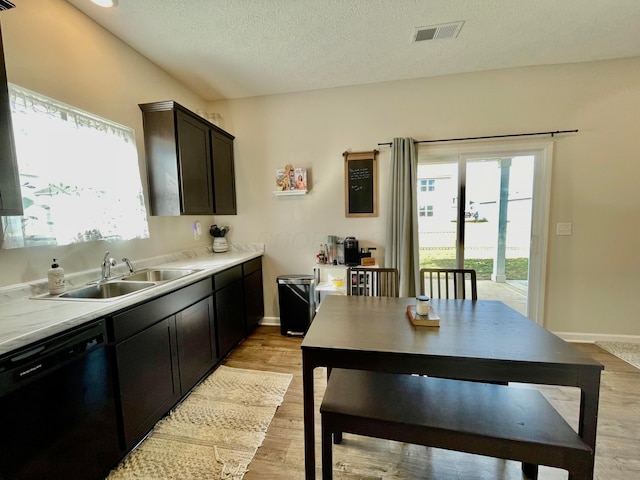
pixel 229 308
pixel 148 381
pixel 162 349
pixel 197 349
pixel 157 351
pixel 253 295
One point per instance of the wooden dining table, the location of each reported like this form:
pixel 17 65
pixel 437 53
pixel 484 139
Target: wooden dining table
pixel 482 340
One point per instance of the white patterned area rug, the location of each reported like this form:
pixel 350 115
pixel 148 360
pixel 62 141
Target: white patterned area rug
pixel 629 352
pixel 214 433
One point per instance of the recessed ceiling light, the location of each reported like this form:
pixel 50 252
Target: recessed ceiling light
pixel 105 3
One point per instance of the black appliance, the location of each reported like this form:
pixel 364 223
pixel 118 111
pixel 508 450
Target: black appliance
pixel 296 298
pixel 57 409
pixel 351 253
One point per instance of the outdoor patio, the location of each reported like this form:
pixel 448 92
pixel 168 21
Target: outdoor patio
pixel 512 293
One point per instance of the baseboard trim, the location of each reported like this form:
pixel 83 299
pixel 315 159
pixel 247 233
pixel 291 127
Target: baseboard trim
pixel 270 321
pixel 597 337
pixel 572 337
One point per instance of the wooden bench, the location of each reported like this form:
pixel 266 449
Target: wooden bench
pixel 486 419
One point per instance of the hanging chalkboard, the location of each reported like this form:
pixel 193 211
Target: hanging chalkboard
pixel 361 184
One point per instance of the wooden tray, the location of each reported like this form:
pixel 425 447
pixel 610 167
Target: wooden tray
pixel 433 320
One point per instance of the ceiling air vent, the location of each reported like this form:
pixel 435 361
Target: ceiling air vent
pixel 6 5
pixel 438 32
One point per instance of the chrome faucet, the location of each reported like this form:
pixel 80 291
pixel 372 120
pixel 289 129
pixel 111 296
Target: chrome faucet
pixel 128 262
pixel 107 263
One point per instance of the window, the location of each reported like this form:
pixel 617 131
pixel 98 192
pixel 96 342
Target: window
pixel 427 185
pixel 425 211
pixel 79 176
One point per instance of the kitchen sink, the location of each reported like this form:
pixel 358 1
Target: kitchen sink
pixel 124 285
pixel 158 274
pixel 108 290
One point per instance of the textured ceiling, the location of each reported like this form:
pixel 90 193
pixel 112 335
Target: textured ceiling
pixel 243 48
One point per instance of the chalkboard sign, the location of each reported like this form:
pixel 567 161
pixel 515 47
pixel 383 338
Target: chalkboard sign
pixel 361 184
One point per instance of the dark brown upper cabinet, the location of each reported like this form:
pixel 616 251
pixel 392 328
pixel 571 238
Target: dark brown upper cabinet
pixel 189 162
pixel 224 178
pixel 10 195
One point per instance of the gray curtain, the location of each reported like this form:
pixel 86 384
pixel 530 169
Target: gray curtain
pixel 401 246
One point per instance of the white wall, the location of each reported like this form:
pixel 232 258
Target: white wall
pixel 591 276
pixel 53 48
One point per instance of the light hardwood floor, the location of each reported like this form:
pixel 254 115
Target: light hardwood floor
pixel 281 456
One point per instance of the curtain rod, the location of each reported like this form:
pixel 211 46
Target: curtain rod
pixel 490 136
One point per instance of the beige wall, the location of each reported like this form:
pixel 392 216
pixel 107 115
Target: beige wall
pixel 590 282
pixel 590 275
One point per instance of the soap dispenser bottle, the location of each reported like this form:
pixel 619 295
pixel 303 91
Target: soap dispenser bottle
pixel 55 276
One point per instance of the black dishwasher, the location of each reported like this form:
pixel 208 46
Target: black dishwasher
pixel 57 409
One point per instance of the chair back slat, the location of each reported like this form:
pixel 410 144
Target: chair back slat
pixel 441 279
pixel 372 281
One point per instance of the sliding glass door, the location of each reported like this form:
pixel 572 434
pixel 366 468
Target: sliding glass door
pixel 480 210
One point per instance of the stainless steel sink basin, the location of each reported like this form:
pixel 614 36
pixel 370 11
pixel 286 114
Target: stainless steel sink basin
pixel 159 274
pixel 107 290
pixel 125 285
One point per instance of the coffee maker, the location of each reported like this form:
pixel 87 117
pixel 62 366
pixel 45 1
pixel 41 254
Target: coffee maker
pixel 351 252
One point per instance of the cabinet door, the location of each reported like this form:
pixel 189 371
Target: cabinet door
pixel 148 378
pixel 10 195
pixel 194 158
pixel 197 352
pixel 224 184
pixel 254 300
pixel 229 316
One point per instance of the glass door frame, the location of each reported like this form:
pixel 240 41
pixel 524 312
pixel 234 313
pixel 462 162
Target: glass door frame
pixel 543 152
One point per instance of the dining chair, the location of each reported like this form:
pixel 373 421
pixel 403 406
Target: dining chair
pixel 448 282
pixel 372 281
pixel 451 283
pixel 369 282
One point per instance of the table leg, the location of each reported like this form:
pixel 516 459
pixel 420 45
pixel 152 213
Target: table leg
pixel 589 400
pixel 337 436
pixel 327 452
pixel 309 433
pixel 530 470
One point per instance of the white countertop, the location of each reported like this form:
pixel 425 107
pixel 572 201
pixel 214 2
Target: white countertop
pixel 24 320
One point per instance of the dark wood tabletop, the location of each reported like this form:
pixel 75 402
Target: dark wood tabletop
pixel 476 340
